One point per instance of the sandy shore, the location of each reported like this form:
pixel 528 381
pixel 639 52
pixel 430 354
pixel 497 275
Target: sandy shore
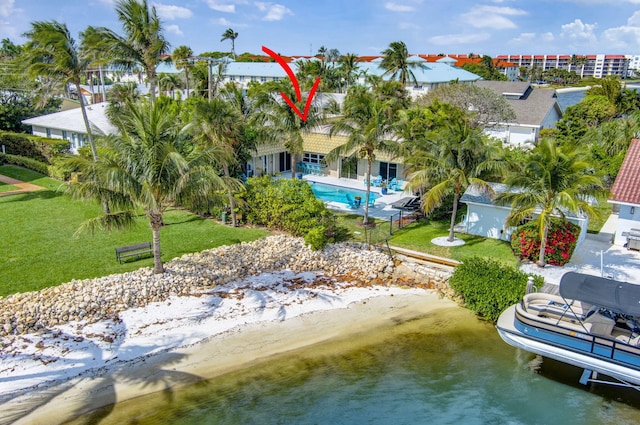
pixel 163 350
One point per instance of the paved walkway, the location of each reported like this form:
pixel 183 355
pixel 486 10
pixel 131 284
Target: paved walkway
pixel 22 186
pixel 597 256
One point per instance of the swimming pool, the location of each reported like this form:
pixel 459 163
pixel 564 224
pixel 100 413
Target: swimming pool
pixel 331 193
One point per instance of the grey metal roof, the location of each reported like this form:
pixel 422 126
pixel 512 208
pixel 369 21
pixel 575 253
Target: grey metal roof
pixel 71 120
pixel 531 105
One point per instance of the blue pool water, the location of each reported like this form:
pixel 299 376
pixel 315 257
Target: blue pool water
pixel 331 193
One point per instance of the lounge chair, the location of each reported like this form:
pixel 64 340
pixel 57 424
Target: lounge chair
pixel 352 202
pixel 410 203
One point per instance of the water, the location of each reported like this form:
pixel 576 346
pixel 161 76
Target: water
pixel 331 193
pixel 447 368
pixel 570 98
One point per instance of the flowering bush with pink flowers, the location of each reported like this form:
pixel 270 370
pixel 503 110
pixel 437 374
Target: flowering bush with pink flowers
pixel 561 242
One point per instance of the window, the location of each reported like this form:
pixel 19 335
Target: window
pixel 263 79
pixel 276 78
pixel 48 132
pixel 242 78
pixel 65 136
pixel 388 170
pixel 312 158
pixel 254 78
pixel 232 78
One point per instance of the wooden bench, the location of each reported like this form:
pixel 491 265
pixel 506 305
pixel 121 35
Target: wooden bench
pixel 137 251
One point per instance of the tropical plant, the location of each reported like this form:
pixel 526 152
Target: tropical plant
pixel 169 83
pixel 561 242
pixel 180 57
pixel 279 121
pixel 142 44
pixel 230 34
pixel 218 124
pixel 445 154
pixel 556 180
pixel 348 69
pixel 52 52
pixel 395 63
pixel 149 167
pixel 367 123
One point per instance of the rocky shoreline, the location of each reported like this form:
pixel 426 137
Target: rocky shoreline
pixel 94 300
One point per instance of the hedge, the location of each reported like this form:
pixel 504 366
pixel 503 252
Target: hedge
pixel 562 239
pixel 38 148
pixel 489 286
pixel 29 163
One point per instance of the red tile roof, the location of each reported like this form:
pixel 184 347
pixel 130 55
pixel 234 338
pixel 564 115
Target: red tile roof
pixel 626 188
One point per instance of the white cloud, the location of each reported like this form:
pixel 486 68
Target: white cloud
pixel 395 7
pixel 6 7
pixel 274 12
pixel 624 37
pixel 579 31
pixel 221 7
pixel 444 40
pixel 175 29
pixel 494 17
pixel 524 37
pixel 223 22
pixel 548 37
pixel 170 12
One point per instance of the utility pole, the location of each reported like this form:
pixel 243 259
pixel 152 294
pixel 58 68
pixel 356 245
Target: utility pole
pixel 210 61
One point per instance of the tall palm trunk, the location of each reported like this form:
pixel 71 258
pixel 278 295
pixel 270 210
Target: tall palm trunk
pixel 186 76
pixel 543 245
pixel 456 197
pixel 232 199
pixel 92 143
pixel 365 220
pixel 156 223
pixel 294 164
pixel 152 86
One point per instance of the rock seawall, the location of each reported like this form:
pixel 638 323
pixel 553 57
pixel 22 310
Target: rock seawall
pixel 93 300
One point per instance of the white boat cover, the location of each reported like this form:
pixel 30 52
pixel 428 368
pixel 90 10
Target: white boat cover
pixel 620 297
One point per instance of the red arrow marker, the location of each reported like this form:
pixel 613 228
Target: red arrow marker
pixel 296 85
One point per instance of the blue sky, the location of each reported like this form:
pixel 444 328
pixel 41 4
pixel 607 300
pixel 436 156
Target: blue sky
pixel 365 27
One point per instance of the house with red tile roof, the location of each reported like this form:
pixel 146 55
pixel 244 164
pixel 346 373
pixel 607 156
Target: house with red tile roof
pixel 626 193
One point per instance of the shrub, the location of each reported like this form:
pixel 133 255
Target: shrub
pixel 283 204
pixel 316 238
pixel 488 286
pixel 561 242
pixel 39 148
pixel 29 163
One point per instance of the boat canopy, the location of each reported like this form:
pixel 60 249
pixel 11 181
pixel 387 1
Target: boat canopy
pixel 621 297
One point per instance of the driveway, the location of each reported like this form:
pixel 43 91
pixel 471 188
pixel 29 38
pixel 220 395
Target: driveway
pixel 597 256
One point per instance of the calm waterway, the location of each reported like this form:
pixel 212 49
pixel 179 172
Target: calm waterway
pixel 448 368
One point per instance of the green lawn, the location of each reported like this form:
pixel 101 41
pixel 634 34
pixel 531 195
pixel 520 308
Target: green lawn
pixel 6 187
pixel 39 249
pixel 418 236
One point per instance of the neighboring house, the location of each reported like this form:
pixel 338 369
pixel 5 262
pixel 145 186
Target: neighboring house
pixel 429 76
pixel 69 125
pixel 508 69
pixel 625 193
pixel 535 109
pixel 485 218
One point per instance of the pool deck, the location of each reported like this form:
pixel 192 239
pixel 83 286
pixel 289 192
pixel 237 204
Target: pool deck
pixel 382 208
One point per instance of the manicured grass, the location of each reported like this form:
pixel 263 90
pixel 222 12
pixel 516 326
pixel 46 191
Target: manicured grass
pixel 6 187
pixel 418 236
pixel 39 248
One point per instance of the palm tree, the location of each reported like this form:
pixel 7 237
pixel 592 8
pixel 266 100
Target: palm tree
pixel 169 83
pixel 348 68
pixel 396 64
pixel 219 124
pixel 54 54
pixel 556 180
pixel 281 124
pixel 147 167
pixel 230 34
pixel 367 123
pixel 180 57
pixel 446 155
pixel 142 44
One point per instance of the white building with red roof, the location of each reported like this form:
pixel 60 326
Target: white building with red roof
pixel 626 193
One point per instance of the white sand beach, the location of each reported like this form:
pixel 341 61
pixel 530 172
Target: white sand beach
pixel 55 376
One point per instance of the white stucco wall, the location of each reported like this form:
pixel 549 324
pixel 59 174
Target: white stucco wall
pixel 628 218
